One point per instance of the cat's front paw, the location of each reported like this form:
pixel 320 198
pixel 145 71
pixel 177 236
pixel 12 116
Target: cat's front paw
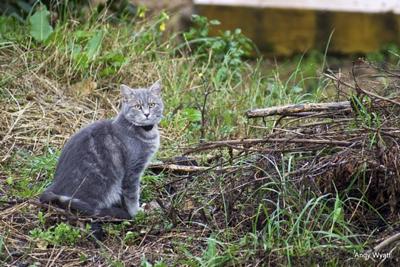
pixel 133 209
pixel 141 208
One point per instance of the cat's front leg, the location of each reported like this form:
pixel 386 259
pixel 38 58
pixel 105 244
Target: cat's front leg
pixel 131 194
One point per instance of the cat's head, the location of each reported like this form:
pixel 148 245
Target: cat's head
pixel 142 106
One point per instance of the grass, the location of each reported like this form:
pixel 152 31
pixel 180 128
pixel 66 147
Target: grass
pixel 54 84
pixel 28 175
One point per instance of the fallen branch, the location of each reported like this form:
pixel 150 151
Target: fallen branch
pixel 184 168
pixel 298 108
pixel 387 242
pixel 176 168
pixel 249 142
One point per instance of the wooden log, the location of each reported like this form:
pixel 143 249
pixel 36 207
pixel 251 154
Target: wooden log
pixel 298 108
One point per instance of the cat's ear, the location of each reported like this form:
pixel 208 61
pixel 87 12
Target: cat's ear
pixel 156 88
pixel 126 91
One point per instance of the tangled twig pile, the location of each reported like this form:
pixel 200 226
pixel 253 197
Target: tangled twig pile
pixel 347 147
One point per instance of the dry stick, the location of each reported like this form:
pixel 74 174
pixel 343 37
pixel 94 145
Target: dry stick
pixel 371 94
pixel 176 168
pixel 387 242
pixel 244 142
pixel 187 176
pixel 297 108
pixel 186 168
pixel 216 144
pixel 313 107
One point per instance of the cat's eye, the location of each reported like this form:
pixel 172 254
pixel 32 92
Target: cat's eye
pixel 151 105
pixel 137 106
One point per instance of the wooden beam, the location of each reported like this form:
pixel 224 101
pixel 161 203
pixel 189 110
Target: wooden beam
pixel 363 6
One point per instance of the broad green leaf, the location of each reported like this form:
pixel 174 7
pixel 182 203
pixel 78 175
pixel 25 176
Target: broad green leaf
pixel 94 44
pixel 40 28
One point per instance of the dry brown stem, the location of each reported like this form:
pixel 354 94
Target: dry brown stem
pixel 298 108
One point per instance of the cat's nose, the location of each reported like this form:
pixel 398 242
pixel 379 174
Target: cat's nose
pixel 146 114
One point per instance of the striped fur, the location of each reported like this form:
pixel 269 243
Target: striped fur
pixel 99 168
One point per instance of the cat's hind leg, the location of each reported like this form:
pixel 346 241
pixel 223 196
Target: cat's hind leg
pixel 68 203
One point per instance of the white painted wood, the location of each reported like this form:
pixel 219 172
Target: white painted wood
pixel 363 6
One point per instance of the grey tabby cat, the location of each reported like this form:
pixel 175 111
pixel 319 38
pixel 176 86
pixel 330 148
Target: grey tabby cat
pixel 99 168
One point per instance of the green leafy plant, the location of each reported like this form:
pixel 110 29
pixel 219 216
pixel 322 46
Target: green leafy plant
pixel 40 28
pixel 115 229
pixel 366 118
pixel 85 47
pixel 1 246
pixel 11 30
pixel 145 263
pixel 41 218
pixel 33 175
pixel 148 182
pixel 225 51
pixel 211 255
pixel 62 234
pixel 130 237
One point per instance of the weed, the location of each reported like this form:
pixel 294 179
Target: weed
pixel 40 28
pixel 41 218
pixel 211 256
pixel 11 31
pixel 368 119
pixel 130 237
pixel 146 263
pixel 148 183
pixel 62 234
pixel 34 174
pixel 224 51
pixel 116 229
pixel 1 246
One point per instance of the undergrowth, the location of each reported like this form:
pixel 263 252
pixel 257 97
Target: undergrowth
pixel 209 82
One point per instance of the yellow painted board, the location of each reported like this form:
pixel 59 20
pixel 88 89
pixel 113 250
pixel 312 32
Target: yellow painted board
pixel 288 31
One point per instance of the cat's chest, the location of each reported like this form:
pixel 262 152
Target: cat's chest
pixel 142 149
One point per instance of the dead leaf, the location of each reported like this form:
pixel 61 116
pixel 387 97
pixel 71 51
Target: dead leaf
pixel 42 244
pixel 189 205
pixel 83 88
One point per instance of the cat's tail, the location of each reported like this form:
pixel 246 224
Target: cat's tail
pixel 68 203
pixel 82 207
